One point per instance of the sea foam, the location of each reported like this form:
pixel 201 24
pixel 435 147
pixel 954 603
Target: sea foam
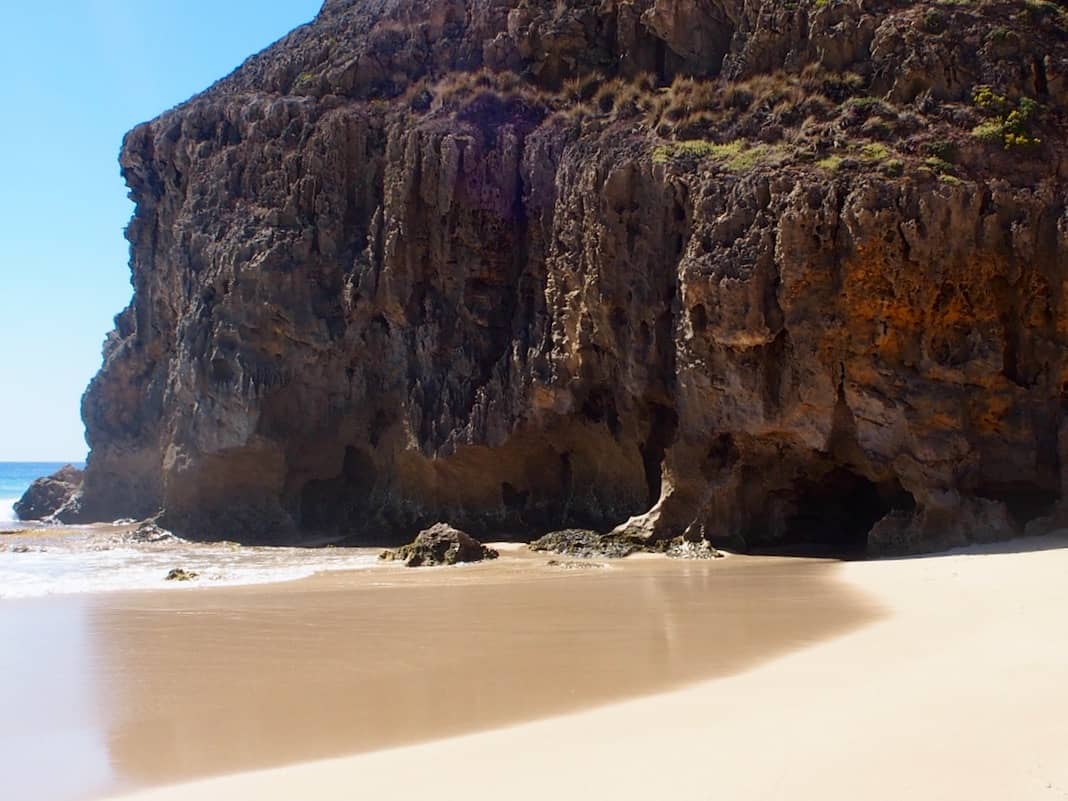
pixel 7 510
pixel 36 571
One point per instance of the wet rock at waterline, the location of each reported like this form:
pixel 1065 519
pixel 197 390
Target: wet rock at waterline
pixel 181 574
pixel 50 495
pixel 441 544
pixel 584 544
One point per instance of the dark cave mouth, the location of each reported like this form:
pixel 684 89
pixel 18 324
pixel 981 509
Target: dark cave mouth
pixel 832 515
pixel 337 504
pixel 1023 500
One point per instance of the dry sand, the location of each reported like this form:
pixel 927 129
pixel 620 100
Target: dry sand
pixel 960 692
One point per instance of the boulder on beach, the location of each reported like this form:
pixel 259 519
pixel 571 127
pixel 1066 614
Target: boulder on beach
pixel 48 495
pixel 181 574
pixel 441 544
pixel 149 532
pixel 680 548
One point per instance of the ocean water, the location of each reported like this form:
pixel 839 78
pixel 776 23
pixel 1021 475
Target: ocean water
pixel 15 479
pixel 54 560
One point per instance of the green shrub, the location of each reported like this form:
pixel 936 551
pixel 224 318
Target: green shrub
pixel 943 150
pixel 892 167
pixel 992 132
pixel 938 165
pixel 875 152
pixel 988 101
pixel 1010 125
pixel 736 156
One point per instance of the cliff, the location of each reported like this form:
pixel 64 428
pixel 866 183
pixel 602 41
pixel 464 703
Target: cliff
pixel 739 270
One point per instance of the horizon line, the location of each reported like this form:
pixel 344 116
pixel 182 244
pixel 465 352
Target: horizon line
pixel 43 461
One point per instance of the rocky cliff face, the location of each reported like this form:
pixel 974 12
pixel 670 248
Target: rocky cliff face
pixel 740 270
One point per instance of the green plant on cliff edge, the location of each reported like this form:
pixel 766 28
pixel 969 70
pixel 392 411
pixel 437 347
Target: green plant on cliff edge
pixel 831 163
pixel 1009 125
pixel 736 156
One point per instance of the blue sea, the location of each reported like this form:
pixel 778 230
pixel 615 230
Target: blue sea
pixel 15 479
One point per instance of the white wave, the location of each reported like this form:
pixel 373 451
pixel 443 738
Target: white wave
pixel 56 572
pixel 7 510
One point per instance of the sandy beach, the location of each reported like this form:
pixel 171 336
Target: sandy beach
pixel 156 687
pixel 951 686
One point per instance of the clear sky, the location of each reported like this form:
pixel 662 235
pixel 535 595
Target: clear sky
pixel 77 76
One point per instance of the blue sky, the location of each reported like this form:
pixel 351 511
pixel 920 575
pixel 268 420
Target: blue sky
pixel 78 75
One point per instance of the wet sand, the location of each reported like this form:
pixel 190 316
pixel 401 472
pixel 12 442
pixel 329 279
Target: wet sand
pixel 959 693
pixel 132 690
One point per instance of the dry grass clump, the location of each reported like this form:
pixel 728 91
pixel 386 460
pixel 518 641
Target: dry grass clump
pixel 459 88
pixel 487 100
pixel 576 91
pixel 691 107
pixel 592 96
pixel 624 98
pixel 838 86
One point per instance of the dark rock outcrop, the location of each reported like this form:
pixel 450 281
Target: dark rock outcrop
pixel 50 495
pixel 441 544
pixel 584 544
pixel 679 548
pixel 742 272
pixel 181 574
pixel 587 544
pixel 148 533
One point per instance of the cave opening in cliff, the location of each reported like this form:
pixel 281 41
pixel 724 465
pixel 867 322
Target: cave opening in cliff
pixel 1024 500
pixel 833 514
pixel 662 427
pixel 336 505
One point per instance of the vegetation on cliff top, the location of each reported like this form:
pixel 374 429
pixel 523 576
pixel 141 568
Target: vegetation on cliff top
pixel 817 117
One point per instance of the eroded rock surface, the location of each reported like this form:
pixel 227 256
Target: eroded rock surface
pixel 441 544
pixel 742 272
pixel 50 495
